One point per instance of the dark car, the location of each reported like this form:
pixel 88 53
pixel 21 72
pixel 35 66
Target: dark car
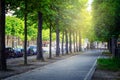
pixel 18 52
pixel 32 50
pixel 9 51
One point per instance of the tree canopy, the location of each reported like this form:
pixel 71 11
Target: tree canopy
pixel 14 27
pixel 106 17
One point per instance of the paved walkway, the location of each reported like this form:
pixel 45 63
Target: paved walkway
pixel 78 67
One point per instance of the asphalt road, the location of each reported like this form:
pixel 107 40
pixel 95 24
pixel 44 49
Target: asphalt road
pixel 78 67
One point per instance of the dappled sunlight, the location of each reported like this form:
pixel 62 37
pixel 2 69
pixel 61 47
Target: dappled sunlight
pixel 89 7
pixel 49 28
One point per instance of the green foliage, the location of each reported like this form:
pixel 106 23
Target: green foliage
pixel 68 13
pixel 45 35
pixel 106 18
pixel 87 29
pixel 32 32
pixel 14 26
pixel 112 64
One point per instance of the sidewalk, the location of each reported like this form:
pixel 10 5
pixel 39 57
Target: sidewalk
pixel 16 66
pixel 78 67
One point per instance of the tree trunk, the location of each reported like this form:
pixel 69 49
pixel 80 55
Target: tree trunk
pixel 7 41
pixel 62 46
pixel 74 41
pixel 110 45
pixel 25 36
pixel 57 40
pixel 70 46
pixel 13 42
pixel 13 36
pixel 66 41
pixel 79 41
pixel 10 42
pixel 50 35
pixel 3 64
pixel 39 38
pixel 113 46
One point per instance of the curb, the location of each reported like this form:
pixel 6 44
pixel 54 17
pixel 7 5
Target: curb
pixel 92 70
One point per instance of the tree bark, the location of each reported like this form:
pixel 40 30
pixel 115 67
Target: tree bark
pixel 110 45
pixel 79 41
pixel 70 46
pixel 74 41
pixel 113 46
pixel 66 41
pixel 62 46
pixel 7 41
pixel 57 39
pixel 50 35
pixel 3 64
pixel 13 41
pixel 25 36
pixel 39 38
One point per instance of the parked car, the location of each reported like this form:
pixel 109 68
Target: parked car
pixel 9 51
pixel 18 52
pixel 32 50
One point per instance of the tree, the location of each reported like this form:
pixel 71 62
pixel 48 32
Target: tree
pixel 25 31
pixel 22 8
pixel 14 28
pixel 66 36
pixel 3 65
pixel 106 23
pixel 39 38
pixel 60 14
pixel 62 46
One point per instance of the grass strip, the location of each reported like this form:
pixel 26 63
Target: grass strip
pixel 112 64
